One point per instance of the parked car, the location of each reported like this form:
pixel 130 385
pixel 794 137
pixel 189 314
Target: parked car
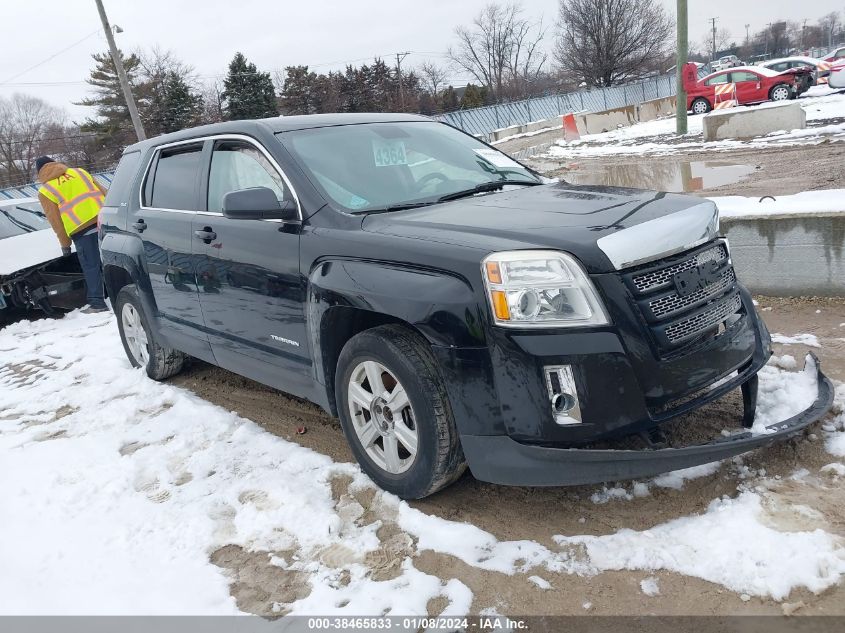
pixel 836 54
pixel 836 79
pixel 33 273
pixel 820 69
pixel 754 84
pixel 447 303
pixel 728 61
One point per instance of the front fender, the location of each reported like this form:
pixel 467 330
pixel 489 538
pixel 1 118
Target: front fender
pixel 439 304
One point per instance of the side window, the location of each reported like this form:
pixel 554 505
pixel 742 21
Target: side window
pixel 780 67
pixel 127 170
pixel 744 76
pixel 840 53
pixel 718 79
pixel 239 165
pixel 174 179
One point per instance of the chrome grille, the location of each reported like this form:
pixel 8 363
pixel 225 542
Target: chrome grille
pixel 704 320
pixel 657 278
pixel 672 303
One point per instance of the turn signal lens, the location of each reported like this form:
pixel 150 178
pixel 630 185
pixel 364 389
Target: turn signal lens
pixel 500 305
pixel 494 275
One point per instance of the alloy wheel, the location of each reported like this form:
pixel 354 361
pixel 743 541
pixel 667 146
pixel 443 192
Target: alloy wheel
pixel 780 93
pixel 135 334
pixel 699 107
pixel 382 417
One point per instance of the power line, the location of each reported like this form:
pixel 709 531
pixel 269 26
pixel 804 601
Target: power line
pixel 50 58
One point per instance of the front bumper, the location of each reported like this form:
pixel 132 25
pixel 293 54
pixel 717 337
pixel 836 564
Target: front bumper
pixel 502 460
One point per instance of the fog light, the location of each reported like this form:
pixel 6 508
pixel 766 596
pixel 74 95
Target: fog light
pixel 563 395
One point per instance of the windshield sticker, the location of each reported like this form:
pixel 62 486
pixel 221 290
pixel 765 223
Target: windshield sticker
pixel 496 158
pixel 357 202
pixel 389 153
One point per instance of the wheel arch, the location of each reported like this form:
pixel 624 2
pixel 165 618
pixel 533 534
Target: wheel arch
pixel 346 297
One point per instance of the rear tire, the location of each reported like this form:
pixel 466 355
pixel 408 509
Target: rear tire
pixel 700 106
pixel 408 406
pixel 780 92
pixel 138 340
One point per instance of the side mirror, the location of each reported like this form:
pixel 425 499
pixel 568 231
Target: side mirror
pixel 257 203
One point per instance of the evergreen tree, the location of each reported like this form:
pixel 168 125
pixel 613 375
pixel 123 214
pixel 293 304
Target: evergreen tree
pixel 473 97
pixel 180 106
pixel 299 92
pixel 448 100
pixel 249 94
pixel 111 125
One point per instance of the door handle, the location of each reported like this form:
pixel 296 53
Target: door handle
pixel 139 226
pixel 206 235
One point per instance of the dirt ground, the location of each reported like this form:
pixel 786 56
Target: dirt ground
pixel 539 513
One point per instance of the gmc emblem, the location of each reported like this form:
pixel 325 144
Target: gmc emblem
pixel 695 279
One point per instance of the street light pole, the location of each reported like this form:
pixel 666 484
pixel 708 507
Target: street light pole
pixel 681 105
pixel 121 74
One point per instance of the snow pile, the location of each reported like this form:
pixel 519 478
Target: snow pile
pixel 650 586
pixel 728 545
pixel 677 478
pixel 826 201
pixel 782 394
pixel 114 505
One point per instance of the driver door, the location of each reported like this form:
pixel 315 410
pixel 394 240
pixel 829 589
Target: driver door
pixel 250 288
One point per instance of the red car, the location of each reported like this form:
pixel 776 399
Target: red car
pixel 744 84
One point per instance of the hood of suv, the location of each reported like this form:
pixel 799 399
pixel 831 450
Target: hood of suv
pixel 607 228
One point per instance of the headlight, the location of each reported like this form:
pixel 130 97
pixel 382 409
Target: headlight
pixel 540 289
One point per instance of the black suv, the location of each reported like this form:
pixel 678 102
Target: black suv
pixel 447 303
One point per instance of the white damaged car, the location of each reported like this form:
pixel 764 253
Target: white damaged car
pixel 33 273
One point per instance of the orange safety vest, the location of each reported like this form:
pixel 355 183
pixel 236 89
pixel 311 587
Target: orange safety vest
pixel 77 196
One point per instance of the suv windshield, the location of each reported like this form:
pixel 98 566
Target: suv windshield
pixel 20 218
pixel 387 166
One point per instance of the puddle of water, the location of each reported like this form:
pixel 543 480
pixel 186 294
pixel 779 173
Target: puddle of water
pixel 679 176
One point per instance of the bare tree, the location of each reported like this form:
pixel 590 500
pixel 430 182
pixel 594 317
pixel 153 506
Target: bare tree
pixel 722 41
pixel 433 77
pixel 24 125
pixel 606 41
pixel 828 24
pixel 501 49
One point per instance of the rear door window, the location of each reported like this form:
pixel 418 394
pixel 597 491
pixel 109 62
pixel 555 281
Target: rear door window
pixel 174 181
pixel 718 79
pixel 738 77
pixel 127 169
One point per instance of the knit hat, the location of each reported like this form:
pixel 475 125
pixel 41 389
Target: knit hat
pixel 41 161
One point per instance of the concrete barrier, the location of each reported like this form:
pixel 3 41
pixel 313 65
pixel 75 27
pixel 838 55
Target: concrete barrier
pixel 593 123
pixel 789 255
pixel 752 122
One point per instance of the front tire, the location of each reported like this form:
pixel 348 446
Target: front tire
pixel 395 412
pixel 781 92
pixel 700 106
pixel 139 343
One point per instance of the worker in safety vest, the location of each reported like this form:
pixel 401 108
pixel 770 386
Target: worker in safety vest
pixel 72 200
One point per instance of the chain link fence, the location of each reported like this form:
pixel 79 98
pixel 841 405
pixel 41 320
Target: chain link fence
pixel 484 120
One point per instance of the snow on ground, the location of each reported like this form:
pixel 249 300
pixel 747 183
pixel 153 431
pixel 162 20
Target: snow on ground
pixel 658 137
pixel 811 340
pixel 826 201
pixel 117 491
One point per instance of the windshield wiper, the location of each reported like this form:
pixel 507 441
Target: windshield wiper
pixel 397 207
pixel 486 187
pixel 18 223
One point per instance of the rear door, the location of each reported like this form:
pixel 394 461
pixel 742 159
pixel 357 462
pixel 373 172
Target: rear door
pixel 169 201
pixel 749 86
pixel 250 287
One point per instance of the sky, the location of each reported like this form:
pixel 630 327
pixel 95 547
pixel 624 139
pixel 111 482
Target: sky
pixel 277 33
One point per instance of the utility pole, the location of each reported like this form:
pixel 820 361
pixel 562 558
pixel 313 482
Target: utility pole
pixel 803 31
pixel 681 93
pixel 747 37
pixel 399 58
pixel 121 74
pixel 768 32
pixel 713 49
